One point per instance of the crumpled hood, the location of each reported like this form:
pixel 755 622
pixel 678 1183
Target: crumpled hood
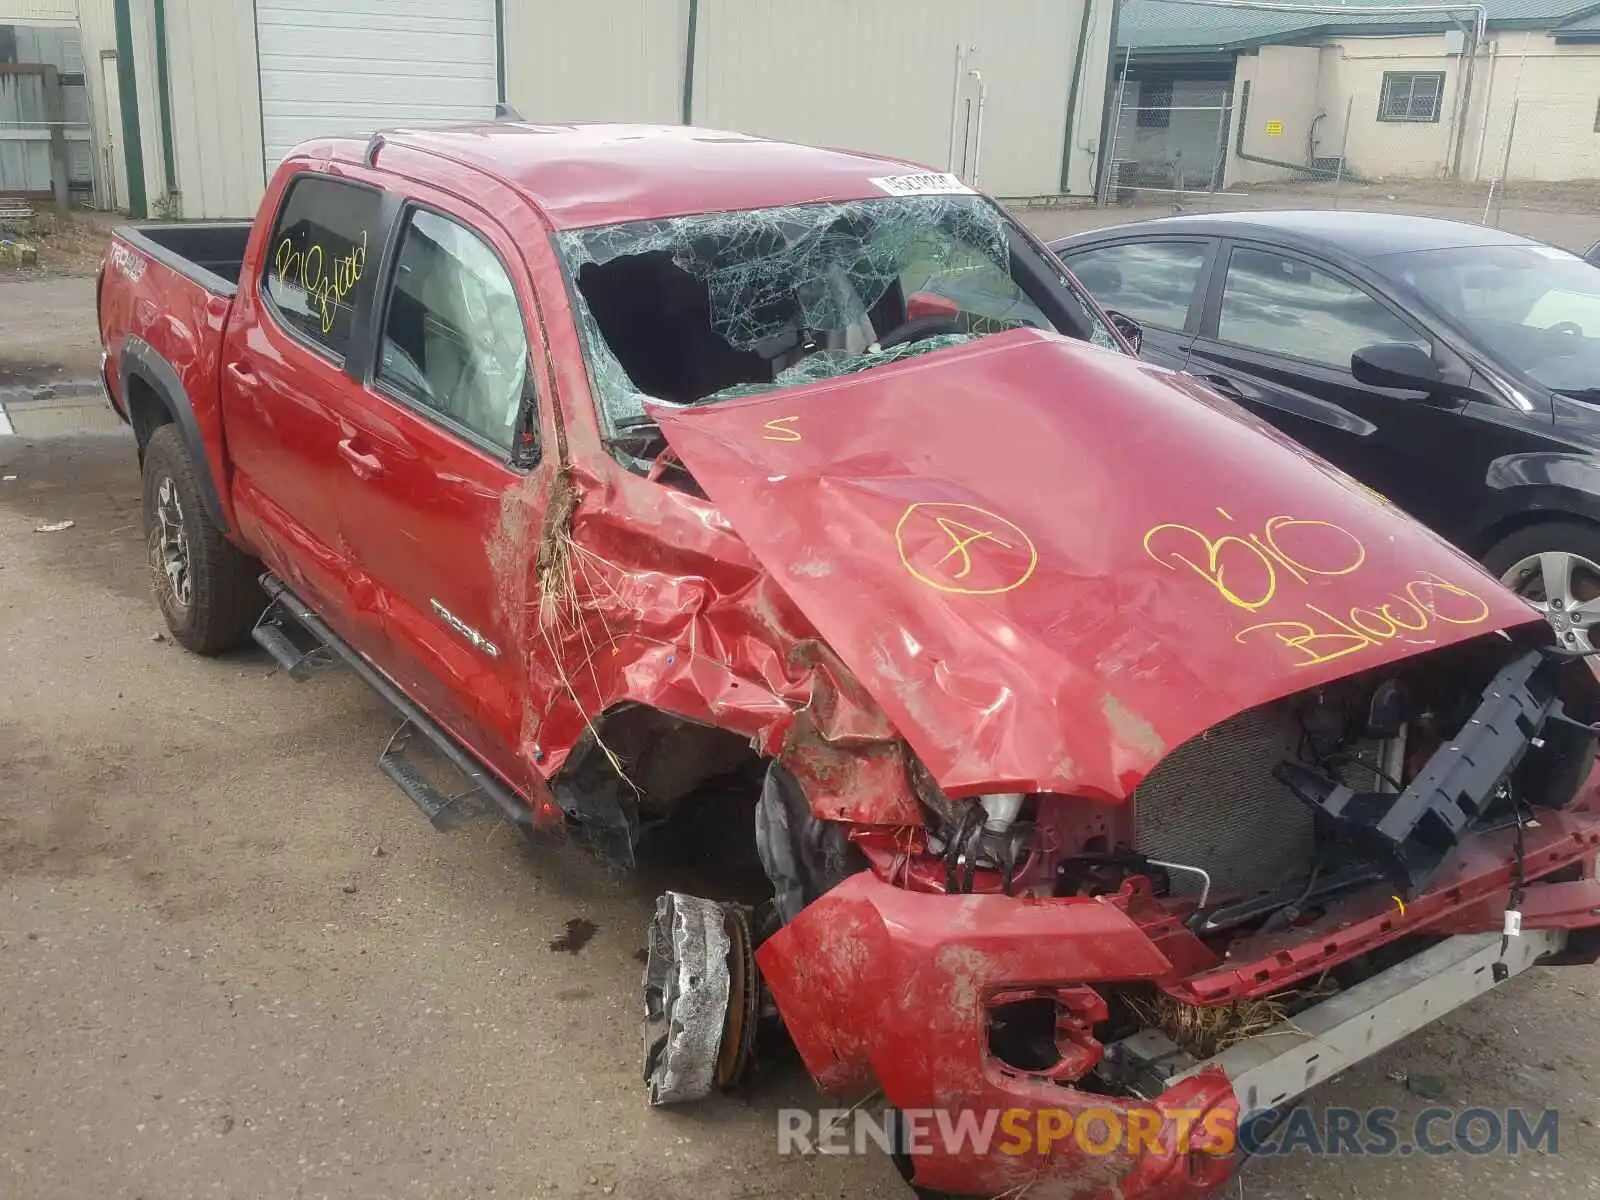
pixel 1050 564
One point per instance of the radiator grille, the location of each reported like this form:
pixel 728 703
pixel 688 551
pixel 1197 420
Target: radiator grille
pixel 1213 803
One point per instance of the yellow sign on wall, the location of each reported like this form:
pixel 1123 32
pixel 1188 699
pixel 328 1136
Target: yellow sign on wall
pixel 1274 128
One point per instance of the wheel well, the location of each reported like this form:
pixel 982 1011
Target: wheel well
pixel 1491 537
pixel 147 411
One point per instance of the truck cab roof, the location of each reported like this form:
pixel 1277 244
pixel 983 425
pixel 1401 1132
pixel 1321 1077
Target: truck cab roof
pixel 583 174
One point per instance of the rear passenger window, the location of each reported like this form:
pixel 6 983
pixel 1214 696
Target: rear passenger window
pixel 317 262
pixel 453 339
pixel 1152 282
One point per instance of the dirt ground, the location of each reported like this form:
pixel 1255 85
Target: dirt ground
pixel 235 962
pixel 67 244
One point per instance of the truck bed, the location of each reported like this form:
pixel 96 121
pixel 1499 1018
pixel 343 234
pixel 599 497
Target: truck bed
pixel 208 252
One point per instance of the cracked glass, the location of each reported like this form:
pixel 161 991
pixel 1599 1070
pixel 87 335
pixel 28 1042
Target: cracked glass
pixel 708 307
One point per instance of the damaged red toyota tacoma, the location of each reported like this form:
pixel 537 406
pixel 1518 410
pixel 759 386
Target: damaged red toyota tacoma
pixel 1101 752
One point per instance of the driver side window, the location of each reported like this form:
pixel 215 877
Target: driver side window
pixel 453 338
pixel 1282 305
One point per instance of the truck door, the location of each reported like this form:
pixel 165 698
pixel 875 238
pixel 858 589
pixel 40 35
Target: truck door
pixel 441 501
pixel 286 353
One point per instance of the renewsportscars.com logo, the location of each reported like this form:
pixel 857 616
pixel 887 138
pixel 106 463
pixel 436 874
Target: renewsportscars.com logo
pixel 1134 1131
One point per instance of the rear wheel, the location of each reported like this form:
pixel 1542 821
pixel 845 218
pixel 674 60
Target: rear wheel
pixel 1555 566
pixel 204 585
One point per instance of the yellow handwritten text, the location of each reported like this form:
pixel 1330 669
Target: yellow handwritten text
pixel 1245 570
pixel 1251 570
pixel 968 541
pixel 1411 610
pixel 327 282
pixel 780 429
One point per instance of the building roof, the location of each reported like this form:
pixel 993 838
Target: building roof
pixel 1167 26
pixel 1584 27
pixel 597 174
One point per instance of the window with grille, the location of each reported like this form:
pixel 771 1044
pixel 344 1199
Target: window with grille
pixel 1411 96
pixel 1155 103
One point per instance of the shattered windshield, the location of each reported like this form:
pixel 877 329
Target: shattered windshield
pixel 703 308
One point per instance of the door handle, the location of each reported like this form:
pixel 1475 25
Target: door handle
pixel 365 466
pixel 243 375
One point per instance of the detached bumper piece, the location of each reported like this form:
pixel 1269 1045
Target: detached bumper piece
pixel 1409 834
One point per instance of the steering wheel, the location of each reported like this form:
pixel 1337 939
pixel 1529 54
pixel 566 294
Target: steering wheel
pixel 922 327
pixel 1570 328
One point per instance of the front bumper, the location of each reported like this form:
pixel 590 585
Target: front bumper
pixel 880 985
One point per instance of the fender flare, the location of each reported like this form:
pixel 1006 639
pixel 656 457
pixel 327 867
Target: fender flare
pixel 139 360
pixel 1538 486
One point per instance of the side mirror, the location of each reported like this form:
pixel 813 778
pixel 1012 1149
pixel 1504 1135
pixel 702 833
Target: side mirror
pixel 920 306
pixel 1396 365
pixel 1128 328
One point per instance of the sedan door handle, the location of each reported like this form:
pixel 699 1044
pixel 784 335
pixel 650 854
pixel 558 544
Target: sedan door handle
pixel 243 375
pixel 365 466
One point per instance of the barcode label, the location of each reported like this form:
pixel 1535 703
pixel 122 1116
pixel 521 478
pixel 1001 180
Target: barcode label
pixel 931 183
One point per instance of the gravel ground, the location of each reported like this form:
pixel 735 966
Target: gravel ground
pixel 234 961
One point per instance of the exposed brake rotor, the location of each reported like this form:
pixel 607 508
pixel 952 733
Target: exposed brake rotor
pixel 702 998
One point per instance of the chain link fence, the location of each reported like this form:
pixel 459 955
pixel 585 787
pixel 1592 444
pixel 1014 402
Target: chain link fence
pixel 1530 166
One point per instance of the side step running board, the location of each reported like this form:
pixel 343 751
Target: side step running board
pixel 442 811
pixel 292 645
pixel 287 613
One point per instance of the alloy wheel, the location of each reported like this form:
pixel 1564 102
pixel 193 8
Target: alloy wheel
pixel 1566 589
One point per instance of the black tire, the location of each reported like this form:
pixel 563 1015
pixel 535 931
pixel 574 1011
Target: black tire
pixel 1552 778
pixel 1571 537
pixel 223 598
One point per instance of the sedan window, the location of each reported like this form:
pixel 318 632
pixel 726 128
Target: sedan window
pixel 1282 305
pixel 1153 282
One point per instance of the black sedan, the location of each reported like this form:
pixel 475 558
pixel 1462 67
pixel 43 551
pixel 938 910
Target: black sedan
pixel 1452 368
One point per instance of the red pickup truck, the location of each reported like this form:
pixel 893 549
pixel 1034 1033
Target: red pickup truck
pixel 1111 762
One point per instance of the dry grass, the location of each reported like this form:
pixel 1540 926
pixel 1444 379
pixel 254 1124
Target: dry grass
pixel 1206 1031
pixel 553 567
pixel 68 243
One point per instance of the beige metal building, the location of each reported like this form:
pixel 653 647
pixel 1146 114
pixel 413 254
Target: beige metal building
pixel 1502 89
pixel 195 101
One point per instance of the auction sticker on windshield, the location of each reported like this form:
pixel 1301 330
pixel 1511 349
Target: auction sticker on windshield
pixel 929 183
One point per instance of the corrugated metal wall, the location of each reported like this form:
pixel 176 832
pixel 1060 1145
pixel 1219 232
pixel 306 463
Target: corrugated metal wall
pixel 216 107
pixel 880 77
pixel 25 157
pixel 596 60
pixel 877 76
pixel 872 76
pixel 39 12
pixel 97 22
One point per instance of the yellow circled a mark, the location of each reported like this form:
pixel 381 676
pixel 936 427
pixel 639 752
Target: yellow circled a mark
pixel 961 536
pixel 974 528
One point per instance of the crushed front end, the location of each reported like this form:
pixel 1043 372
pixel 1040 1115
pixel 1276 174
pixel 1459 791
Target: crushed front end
pixel 1153 967
pixel 1096 735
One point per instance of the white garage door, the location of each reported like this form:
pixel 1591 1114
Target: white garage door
pixel 352 66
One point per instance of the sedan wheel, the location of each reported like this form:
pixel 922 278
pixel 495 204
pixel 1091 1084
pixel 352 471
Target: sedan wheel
pixel 1565 587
